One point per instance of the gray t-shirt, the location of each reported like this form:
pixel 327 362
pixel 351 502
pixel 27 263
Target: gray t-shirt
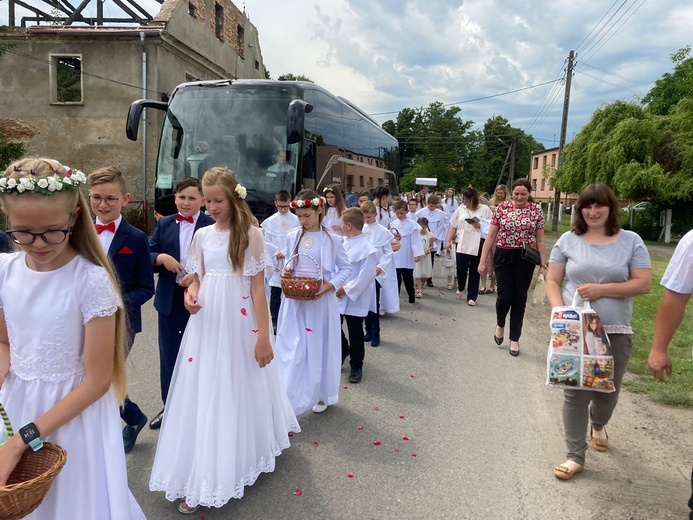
pixel 610 263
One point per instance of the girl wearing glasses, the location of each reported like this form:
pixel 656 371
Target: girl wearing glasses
pixel 62 326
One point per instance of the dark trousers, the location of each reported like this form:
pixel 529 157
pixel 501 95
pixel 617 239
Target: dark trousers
pixel 513 276
pixel 373 318
pixel 353 348
pixel 130 412
pixel 275 303
pixel 469 263
pixel 406 276
pixel 433 263
pixel 171 330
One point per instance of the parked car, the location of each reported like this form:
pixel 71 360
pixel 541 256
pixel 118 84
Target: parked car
pixel 640 206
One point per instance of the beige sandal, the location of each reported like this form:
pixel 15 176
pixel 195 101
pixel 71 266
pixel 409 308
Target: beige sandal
pixel 565 473
pixel 460 296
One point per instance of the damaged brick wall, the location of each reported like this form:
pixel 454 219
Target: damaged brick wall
pixel 232 25
pixel 16 130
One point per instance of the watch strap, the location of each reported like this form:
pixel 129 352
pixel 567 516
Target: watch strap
pixel 36 444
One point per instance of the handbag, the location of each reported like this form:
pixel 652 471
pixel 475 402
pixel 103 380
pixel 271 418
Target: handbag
pixel 579 355
pixel 530 254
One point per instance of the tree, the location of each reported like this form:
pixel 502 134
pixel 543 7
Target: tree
pixel 267 72
pixel 295 77
pixel 672 88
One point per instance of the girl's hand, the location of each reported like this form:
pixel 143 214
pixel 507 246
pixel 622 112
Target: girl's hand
pixel 476 225
pixel 448 246
pixel 590 291
pixel 417 258
pixel 170 263
pixel 279 255
pixel 427 252
pixel 378 270
pixel 190 299
pixel 326 287
pixel 340 292
pixel 263 352
pixel 10 453
pixel 337 228
pixel 286 271
pixel 187 280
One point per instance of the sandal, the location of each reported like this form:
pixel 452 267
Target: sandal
pixel 482 291
pixel 419 294
pixel 460 296
pixel 449 287
pixel 184 508
pixel 471 303
pixel 565 473
pixel 599 444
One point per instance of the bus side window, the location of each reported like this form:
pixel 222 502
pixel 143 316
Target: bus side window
pixel 308 164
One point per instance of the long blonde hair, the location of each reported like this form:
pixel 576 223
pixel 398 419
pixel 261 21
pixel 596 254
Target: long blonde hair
pixel 83 239
pixel 240 219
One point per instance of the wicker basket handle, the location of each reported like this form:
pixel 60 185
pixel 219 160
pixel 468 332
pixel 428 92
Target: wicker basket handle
pixel 296 255
pixel 6 421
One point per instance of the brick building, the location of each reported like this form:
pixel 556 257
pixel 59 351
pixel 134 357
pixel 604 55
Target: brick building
pixel 543 164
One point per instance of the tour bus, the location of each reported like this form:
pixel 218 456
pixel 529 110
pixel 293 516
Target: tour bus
pixel 272 134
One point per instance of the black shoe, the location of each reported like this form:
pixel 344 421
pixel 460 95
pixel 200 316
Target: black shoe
pixel 515 352
pixel 429 283
pixel 499 341
pixel 356 375
pixel 367 336
pixel 130 434
pixel 375 340
pixel 155 423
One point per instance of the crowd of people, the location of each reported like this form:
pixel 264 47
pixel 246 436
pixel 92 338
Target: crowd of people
pixel 255 321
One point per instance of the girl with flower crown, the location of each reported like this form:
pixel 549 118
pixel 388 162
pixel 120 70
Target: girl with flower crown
pixel 309 348
pixel 332 220
pixel 62 333
pixel 227 416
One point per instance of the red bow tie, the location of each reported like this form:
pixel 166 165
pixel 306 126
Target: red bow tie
pixel 100 228
pixel 180 218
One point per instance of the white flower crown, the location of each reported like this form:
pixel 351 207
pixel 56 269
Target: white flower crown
pixel 303 203
pixel 43 185
pixel 240 191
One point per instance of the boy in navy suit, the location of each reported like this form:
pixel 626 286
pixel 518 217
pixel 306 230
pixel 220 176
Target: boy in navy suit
pixel 169 248
pixel 128 249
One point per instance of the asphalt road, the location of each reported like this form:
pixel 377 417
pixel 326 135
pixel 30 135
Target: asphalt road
pixel 483 431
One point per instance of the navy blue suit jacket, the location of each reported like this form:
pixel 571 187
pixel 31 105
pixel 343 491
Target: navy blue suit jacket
pixel 166 239
pixel 129 253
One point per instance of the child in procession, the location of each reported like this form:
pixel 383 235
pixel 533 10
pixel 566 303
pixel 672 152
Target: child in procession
pixel 423 270
pixel 335 207
pixel 410 252
pixel 437 224
pixel 356 295
pixel 227 416
pixel 309 331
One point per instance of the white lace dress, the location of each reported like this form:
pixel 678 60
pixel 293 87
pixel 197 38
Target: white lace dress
pixel 45 313
pixel 226 419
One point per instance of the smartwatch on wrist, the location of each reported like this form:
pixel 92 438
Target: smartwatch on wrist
pixel 30 435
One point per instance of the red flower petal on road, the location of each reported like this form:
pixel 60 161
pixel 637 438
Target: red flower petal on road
pixel 405 438
pixel 376 443
pixel 345 387
pixel 412 376
pixel 189 360
pixel 413 454
pixel 309 330
pixel 376 409
pixel 315 444
pixel 396 450
pixel 360 427
pixel 255 330
pixel 298 492
pixel 401 416
pixel 244 312
pixel 290 435
pixel 350 475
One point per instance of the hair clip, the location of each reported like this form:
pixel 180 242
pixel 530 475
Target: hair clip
pixel 32 171
pixel 17 169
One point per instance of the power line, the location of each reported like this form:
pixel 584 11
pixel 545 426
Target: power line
pixel 577 49
pixel 619 76
pixel 612 84
pixel 589 42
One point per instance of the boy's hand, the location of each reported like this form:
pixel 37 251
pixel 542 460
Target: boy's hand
pixel 417 258
pixel 187 280
pixel 279 255
pixel 263 352
pixel 378 270
pixel 170 263
pixel 340 292
pixel 190 300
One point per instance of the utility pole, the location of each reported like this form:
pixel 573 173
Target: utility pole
pixel 511 175
pixel 561 142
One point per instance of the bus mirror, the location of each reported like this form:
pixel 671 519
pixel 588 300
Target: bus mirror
pixel 295 116
pixel 132 125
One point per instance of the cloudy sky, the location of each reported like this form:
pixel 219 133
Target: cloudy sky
pixel 385 55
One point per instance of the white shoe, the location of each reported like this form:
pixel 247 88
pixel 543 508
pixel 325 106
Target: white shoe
pixel 319 408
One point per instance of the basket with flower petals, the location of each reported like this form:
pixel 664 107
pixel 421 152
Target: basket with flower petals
pixel 301 287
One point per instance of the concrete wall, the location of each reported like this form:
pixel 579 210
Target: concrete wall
pixel 91 134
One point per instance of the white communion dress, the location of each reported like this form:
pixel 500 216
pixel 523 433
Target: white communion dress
pixel 226 419
pixel 45 314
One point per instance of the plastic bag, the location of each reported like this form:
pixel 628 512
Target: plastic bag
pixel 539 294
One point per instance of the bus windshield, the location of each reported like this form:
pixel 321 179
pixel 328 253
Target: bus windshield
pixel 242 127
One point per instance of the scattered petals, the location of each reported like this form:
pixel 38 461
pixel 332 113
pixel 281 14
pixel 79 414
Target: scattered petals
pixel 290 435
pixel 350 475
pixel 405 438
pixel 345 387
pixel 401 416
pixel 412 376
pixel 413 454
pixel 396 450
pixel 376 409
pixel 255 330
pixel 246 297
pixel 454 320
pixel 376 443
pixel 244 312
pixel 315 444
pixel 309 329
pixel 298 492
pixel 189 360
pixel 360 427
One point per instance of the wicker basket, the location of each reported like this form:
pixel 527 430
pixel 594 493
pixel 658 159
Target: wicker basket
pixel 29 482
pixel 301 287
pixel 396 245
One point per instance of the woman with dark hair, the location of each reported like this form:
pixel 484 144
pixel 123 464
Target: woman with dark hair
pixel 466 224
pixel 606 266
pixel 381 198
pixel 515 222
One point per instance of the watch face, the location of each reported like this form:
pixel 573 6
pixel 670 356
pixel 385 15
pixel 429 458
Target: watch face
pixel 29 432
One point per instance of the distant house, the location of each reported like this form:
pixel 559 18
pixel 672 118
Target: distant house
pixel 70 86
pixel 543 164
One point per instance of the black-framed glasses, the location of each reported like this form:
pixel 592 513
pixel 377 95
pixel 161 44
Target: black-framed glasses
pixel 52 237
pixel 98 199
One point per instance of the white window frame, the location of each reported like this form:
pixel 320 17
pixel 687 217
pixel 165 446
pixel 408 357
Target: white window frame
pixel 53 76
